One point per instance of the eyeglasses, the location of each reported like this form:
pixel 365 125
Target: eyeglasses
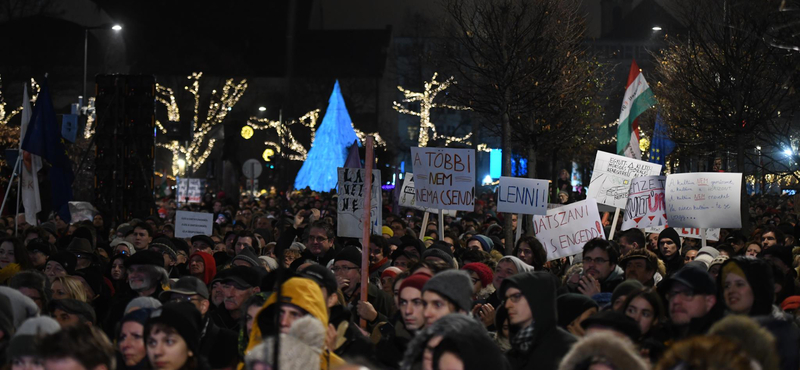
pixel 685 294
pixel 598 260
pixel 177 298
pixel 317 239
pixel 343 268
pixel 514 298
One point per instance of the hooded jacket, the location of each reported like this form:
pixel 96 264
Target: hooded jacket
pixel 550 343
pixel 305 294
pixel 758 274
pixel 210 269
pixel 620 353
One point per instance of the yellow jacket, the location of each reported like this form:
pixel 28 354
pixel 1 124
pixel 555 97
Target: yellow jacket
pixel 306 294
pixel 8 272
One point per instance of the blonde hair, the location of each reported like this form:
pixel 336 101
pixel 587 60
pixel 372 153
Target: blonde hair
pixel 73 287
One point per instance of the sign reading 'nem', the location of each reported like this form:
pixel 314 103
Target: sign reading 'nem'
pixel 521 195
pixel 704 200
pixel 444 178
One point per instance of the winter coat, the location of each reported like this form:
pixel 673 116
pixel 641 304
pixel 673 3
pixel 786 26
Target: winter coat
pixel 550 343
pixel 758 342
pixel 612 280
pixel 618 352
pixel 758 274
pixel 391 340
pixel 218 345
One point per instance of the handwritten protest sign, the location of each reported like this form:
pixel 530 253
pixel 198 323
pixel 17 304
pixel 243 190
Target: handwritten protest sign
pixel 189 224
pixel 190 190
pixel 521 195
pixel 612 175
pixel 445 178
pixel 645 206
pixel 704 200
pixel 688 232
pixel 408 197
pixel 564 230
pixel 350 202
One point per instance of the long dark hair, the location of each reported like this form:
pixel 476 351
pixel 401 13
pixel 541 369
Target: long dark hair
pixel 20 253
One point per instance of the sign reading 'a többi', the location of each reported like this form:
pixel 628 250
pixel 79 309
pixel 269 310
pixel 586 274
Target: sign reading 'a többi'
pixel 408 195
pixel 565 230
pixel 521 195
pixel 444 178
pixel 704 200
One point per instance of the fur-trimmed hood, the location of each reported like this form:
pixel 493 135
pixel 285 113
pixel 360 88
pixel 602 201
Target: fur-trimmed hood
pixel 618 352
pixel 757 341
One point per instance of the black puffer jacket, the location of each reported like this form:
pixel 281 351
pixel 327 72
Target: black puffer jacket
pixel 550 343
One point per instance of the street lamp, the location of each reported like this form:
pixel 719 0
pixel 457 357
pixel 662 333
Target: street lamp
pixel 656 28
pixel 86 30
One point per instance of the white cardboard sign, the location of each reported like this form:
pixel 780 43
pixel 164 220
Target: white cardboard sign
pixel 688 232
pixel 189 224
pixel 408 196
pixel 521 195
pixel 704 200
pixel 350 202
pixel 444 178
pixel 612 175
pixel 645 207
pixel 190 190
pixel 564 230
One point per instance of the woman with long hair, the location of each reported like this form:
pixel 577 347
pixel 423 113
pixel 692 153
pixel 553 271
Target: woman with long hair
pixel 13 258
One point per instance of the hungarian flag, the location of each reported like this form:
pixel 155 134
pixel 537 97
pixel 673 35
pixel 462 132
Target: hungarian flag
pixel 638 98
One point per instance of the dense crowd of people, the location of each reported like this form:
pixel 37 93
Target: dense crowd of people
pixel 274 287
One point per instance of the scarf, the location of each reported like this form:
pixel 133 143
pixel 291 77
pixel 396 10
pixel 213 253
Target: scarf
pixel 524 339
pixel 377 266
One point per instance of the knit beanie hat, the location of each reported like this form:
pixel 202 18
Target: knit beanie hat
pixel 671 234
pixel 439 253
pixel 22 306
pixel 718 260
pixel 486 243
pixel 521 265
pixel 410 241
pixel 571 305
pixel 416 281
pixel 350 254
pixel 616 321
pixel 624 288
pixel 271 262
pixel 165 246
pixel 483 271
pixel 387 230
pixel 181 316
pixel 74 307
pixel 66 259
pixel 455 285
pixel 247 255
pixel 142 303
pixel 706 255
pixel 25 341
pixel 391 271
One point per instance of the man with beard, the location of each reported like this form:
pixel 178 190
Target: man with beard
pixel 238 284
pixel 146 278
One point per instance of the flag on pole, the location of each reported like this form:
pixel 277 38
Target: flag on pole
pixel 661 145
pixel 43 138
pixel 638 98
pixel 32 163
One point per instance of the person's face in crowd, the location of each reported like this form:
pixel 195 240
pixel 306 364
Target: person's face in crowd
pixel 625 246
pixel 563 197
pixel 34 295
pixel 242 263
pixel 38 258
pixel 474 245
pixel 514 221
pixel 668 247
pixel 60 224
pixel 54 269
pixel 242 243
pixel 220 247
pixel 575 326
pixel 387 282
pixel 152 224
pixel 401 262
pixel 375 253
pixel 199 302
pixel 217 207
pixel 450 241
pixel 436 307
pixel 65 319
pixel 412 308
pixel 753 250
pixel 97 222
pixel 198 246
pixel 469 225
pixel 398 230
pixel 643 312
pixel 477 285
pixel 525 253
pixel 167 351
pixel 26 363
pixel 597 264
pixel 450 361
pixel 690 255
pixel 289 313
pixel 318 242
pixel 288 258
pixel 141 239
pixel 7 254
pixel 84 261
pixel 503 270
pixel 167 231
pixel 261 239
pixel 197 266
pixel 122 248
pixel 714 271
pixel 685 305
pixel 519 311
pixel 249 318
pixel 768 240
pixel 138 278
pixel 738 294
pixel 637 269
pixel 235 296
pixel 348 274
pixel 131 343
pixel 411 251
pixel 262 223
pixel 217 295
pixel 652 241
pixel 30 237
pixel 427 354
pixel 229 242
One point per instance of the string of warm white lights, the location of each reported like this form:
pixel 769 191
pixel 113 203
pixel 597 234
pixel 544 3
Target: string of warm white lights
pixel 200 146
pixel 427 130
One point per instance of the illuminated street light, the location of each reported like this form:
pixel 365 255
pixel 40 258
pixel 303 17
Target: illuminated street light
pixel 656 28
pixel 788 152
pixel 262 109
pixel 116 27
pixel 247 132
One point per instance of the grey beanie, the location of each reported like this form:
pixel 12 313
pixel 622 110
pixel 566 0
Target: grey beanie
pixel 142 302
pixel 455 285
pixel 271 262
pixel 706 255
pixel 25 340
pixel 248 256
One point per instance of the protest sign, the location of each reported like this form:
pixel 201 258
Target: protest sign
pixel 687 232
pixel 612 175
pixel 190 190
pixel 189 224
pixel 408 197
pixel 645 206
pixel 350 203
pixel 445 178
pixel 564 230
pixel 521 195
pixel 81 211
pixel 704 200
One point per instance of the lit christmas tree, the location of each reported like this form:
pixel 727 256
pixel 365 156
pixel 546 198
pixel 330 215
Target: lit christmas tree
pixel 329 148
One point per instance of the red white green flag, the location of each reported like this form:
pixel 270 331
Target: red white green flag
pixel 638 98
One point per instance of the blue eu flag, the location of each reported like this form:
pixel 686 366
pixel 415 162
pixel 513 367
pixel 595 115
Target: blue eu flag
pixel 43 138
pixel 661 145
